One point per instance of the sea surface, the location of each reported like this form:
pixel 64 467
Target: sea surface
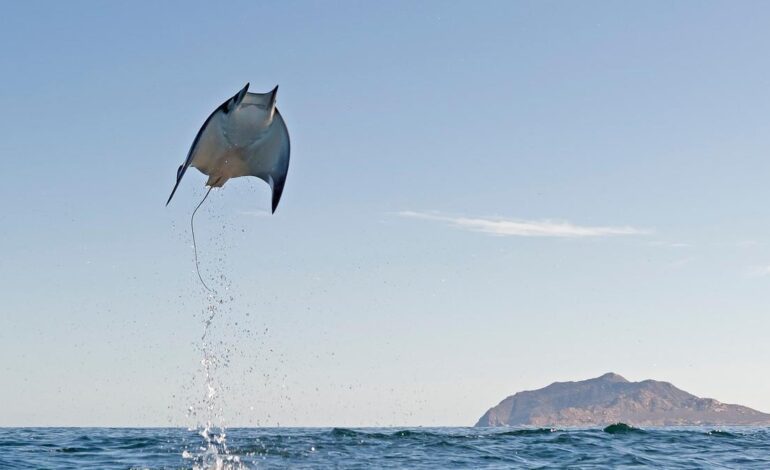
pixel 173 448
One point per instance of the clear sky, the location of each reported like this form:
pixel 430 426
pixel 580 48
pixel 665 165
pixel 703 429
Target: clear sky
pixel 482 198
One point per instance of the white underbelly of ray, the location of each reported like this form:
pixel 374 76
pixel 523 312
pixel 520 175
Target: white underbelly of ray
pixel 218 159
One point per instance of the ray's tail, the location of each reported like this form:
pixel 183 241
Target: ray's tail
pixel 195 246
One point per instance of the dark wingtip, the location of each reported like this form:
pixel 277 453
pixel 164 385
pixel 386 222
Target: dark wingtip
pixel 277 187
pixel 173 191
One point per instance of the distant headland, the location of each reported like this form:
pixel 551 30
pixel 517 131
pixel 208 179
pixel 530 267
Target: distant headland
pixel 612 399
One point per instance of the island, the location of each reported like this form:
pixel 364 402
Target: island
pixel 612 399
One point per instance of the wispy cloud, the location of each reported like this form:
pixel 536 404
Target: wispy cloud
pixel 670 244
pixel 525 228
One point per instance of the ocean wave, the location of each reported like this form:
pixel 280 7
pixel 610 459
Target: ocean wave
pixel 720 433
pixel 621 428
pixel 419 448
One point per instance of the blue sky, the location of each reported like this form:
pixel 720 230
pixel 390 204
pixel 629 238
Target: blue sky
pixel 482 198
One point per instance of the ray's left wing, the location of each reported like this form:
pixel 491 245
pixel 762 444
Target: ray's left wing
pixel 223 108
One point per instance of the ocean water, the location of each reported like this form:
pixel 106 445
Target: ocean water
pixel 173 448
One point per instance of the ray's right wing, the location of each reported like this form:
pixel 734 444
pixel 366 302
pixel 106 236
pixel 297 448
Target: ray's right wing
pixel 271 162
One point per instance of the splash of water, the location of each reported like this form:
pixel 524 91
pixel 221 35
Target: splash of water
pixel 213 452
pixel 208 411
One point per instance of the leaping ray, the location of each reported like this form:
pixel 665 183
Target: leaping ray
pixel 244 136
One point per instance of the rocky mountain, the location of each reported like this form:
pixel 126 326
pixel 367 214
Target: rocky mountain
pixel 611 399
